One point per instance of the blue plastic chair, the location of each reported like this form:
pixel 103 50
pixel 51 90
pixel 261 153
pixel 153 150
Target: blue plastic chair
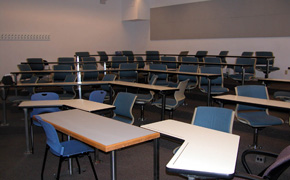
pixel 262 62
pixel 217 84
pixel 90 76
pixel 162 77
pixel 124 103
pixel 256 117
pixel 98 96
pixel 67 61
pixel 142 99
pixel 117 60
pixel 65 149
pixel 201 55
pixel 173 103
pixel 215 60
pixel 128 76
pixel 152 55
pixel 249 71
pixel 172 65
pixel 189 59
pixel 193 80
pixel 216 118
pixel 35 111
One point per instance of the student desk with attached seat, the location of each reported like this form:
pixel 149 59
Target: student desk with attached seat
pixel 81 104
pixel 204 152
pixel 102 133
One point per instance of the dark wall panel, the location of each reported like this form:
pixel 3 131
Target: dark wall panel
pixel 221 19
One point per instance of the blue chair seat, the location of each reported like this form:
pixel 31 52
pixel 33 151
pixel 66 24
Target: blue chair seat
pixel 73 147
pixel 123 119
pixel 259 119
pixel 238 77
pixel 170 103
pixel 144 97
pixel 214 89
pixel 283 95
pixel 161 82
pixel 264 68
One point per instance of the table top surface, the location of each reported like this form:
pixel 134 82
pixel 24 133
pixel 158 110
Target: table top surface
pixel 274 80
pixel 98 131
pixel 82 104
pixel 205 152
pixel 254 101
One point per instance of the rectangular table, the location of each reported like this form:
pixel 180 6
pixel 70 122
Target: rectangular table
pixel 102 133
pixel 205 152
pixel 267 103
pixel 81 104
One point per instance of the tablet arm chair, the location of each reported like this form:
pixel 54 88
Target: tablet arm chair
pixel 30 90
pixel 272 172
pixel 92 75
pixel 162 77
pixel 143 99
pixel 249 72
pixel 201 55
pixel 68 91
pixel 98 96
pixel 128 76
pixel 124 103
pixel 262 61
pixel 35 111
pixel 65 149
pixel 173 103
pixel 130 55
pixel 216 118
pixel 256 117
pixel 108 88
pixel 193 80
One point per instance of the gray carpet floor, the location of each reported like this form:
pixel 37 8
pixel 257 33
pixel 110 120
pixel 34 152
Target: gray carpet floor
pixel 135 162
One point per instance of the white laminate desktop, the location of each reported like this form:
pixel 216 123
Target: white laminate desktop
pixel 254 101
pixel 205 152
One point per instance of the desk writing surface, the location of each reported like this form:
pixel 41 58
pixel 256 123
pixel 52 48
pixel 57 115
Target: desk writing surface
pixel 145 86
pixel 82 104
pixel 101 132
pixel 204 152
pixel 255 101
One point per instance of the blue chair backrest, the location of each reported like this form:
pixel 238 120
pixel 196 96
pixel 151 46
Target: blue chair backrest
pixel 60 76
pixel 162 67
pixel 141 63
pixel 108 77
pixel 216 118
pixel 124 103
pixel 129 54
pixel 256 91
pixel 247 61
pixel 89 60
pixel 51 136
pixel 98 96
pixel 247 54
pixel 211 70
pixel 44 96
pixel 117 60
pixel 153 79
pixel 24 67
pixel 35 63
pixel 152 55
pixel 90 75
pixel 187 68
pixel 189 59
pixel 200 55
pixel 128 66
pixel 69 78
pixel 263 61
pixel 67 61
pixel 172 65
pixel 212 60
pixel 103 56
pixel 223 53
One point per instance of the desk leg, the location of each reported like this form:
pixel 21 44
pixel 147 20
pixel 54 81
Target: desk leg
pixel 4 108
pixel 27 137
pixel 243 75
pixel 156 159
pixel 208 92
pixel 70 168
pixel 113 165
pixel 267 68
pixel 163 105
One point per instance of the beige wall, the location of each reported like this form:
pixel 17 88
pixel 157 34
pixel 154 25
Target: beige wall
pixel 87 25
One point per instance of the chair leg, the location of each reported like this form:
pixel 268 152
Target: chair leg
pixel 142 113
pixel 171 114
pixel 93 168
pixel 32 137
pixel 255 139
pixel 79 167
pixel 59 167
pixel 44 160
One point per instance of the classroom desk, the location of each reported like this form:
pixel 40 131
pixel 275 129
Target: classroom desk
pixel 82 104
pixel 102 133
pixel 267 103
pixel 161 89
pixel 205 152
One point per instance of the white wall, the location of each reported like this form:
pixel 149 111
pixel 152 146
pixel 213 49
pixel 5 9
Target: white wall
pixel 74 25
pixel 235 46
pixel 87 25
